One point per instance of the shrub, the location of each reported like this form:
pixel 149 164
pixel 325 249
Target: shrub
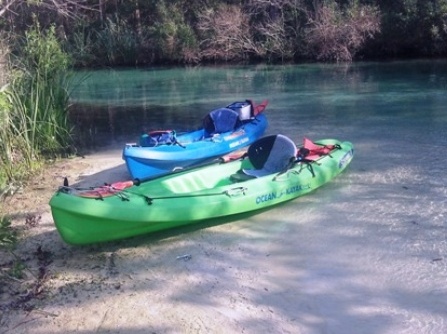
pixel 337 35
pixel 34 105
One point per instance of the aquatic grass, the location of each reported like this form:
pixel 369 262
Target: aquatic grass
pixel 34 106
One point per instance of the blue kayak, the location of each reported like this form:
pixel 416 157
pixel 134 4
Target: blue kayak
pixel 223 130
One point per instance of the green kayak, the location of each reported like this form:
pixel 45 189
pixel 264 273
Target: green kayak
pixel 273 171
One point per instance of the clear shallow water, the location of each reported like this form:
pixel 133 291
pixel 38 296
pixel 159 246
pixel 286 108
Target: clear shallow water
pixel 368 252
pixel 303 97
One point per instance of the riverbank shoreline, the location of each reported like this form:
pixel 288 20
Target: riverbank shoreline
pixel 245 276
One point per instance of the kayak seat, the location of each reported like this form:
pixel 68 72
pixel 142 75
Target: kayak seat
pixel 219 121
pixel 268 155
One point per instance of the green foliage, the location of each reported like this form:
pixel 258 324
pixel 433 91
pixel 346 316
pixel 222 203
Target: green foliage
pixel 171 38
pixel 174 31
pixel 17 270
pixel 8 236
pixel 412 28
pixel 50 88
pixel 80 46
pixel 15 153
pixel 40 92
pixel 116 43
pixel 8 242
pixel 337 33
pixel 159 31
pixel 34 105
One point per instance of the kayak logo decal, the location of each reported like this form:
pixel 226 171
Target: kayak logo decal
pixel 239 142
pixel 277 195
pixel 346 158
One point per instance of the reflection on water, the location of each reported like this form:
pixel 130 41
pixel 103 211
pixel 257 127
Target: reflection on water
pixel 318 98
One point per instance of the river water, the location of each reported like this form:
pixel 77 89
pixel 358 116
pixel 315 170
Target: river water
pixel 367 253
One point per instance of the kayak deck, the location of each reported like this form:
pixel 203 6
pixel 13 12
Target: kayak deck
pixel 187 197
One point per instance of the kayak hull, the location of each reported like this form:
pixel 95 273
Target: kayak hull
pixel 187 197
pixel 144 162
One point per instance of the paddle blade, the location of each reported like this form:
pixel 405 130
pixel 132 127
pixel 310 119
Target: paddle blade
pixel 234 155
pixel 260 107
pixel 104 191
pixel 314 150
pixel 121 185
pixel 116 187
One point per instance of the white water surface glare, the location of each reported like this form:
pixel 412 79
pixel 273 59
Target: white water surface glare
pixel 366 253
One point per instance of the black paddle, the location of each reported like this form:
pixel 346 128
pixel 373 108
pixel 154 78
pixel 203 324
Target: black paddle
pixel 112 189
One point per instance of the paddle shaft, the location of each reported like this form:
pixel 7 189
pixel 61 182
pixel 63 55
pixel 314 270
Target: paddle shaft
pixel 224 159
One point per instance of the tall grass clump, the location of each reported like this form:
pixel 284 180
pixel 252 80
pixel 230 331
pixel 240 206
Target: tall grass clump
pixel 34 105
pixel 116 43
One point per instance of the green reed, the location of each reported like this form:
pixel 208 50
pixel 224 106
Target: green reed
pixel 34 105
pixel 117 43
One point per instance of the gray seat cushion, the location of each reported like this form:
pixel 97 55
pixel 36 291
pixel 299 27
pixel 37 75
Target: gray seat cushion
pixel 270 154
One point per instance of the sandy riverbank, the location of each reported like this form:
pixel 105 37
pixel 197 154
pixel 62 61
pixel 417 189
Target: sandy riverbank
pixel 350 258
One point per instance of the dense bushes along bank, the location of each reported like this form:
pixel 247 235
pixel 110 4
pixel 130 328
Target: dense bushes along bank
pixel 139 32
